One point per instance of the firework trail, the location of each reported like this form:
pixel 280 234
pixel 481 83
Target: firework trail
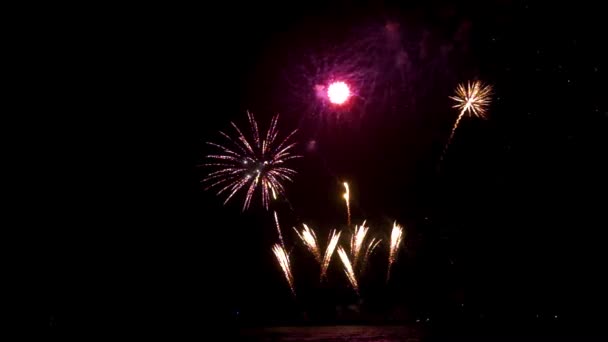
pixel 329 251
pixel 346 196
pixel 251 163
pixel 276 221
pixel 472 98
pixel 309 238
pixel 356 242
pixel 396 237
pixel 283 260
pixel 348 269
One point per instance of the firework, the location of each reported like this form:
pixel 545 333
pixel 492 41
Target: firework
pixel 356 241
pixel 276 221
pixel 472 98
pixel 283 260
pixel 329 251
pixel 309 238
pixel 346 197
pixel 252 163
pixel 338 93
pixel 348 269
pixel 396 237
pixel 372 61
pixel 371 246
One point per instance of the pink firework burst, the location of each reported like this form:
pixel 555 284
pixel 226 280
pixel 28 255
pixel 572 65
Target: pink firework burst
pixel 338 92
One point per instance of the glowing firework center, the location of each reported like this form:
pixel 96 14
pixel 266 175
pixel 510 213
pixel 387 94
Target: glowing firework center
pixel 338 93
pixel 255 167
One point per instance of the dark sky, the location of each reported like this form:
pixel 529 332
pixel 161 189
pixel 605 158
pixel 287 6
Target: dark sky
pixel 511 226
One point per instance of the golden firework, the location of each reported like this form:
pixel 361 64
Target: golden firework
pixel 309 238
pixel 396 237
pixel 329 251
pixel 283 260
pixel 472 98
pixel 371 246
pixel 348 269
pixel 346 197
pixel 356 242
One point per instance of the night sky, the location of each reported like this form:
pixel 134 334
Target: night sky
pixel 510 227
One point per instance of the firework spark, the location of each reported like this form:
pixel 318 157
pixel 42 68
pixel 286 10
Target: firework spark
pixel 371 246
pixel 396 237
pixel 252 163
pixel 472 98
pixel 329 251
pixel 276 221
pixel 356 242
pixel 348 269
pixel 309 238
pixel 283 259
pixel 346 197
